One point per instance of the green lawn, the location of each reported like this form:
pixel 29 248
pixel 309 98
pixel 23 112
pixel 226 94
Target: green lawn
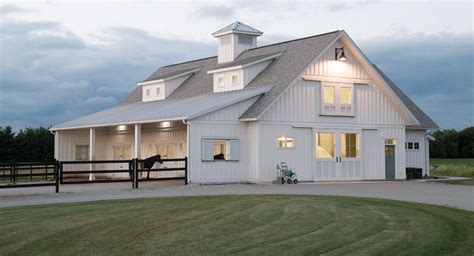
pixel 251 225
pixel 455 167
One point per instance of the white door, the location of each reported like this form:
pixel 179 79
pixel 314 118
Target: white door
pixel 337 155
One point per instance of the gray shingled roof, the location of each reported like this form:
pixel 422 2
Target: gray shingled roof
pixel 155 76
pixel 243 61
pixel 296 55
pixel 238 26
pixel 425 121
pixel 162 110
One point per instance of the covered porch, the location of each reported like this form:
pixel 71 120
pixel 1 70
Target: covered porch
pixel 123 142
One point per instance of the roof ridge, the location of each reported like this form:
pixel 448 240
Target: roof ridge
pixel 189 61
pixel 293 40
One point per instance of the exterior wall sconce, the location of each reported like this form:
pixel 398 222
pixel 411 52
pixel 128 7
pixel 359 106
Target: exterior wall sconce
pixel 340 54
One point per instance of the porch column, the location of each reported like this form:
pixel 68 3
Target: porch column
pixel 138 141
pixel 91 151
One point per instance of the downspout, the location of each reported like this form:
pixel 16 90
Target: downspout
pixel 188 142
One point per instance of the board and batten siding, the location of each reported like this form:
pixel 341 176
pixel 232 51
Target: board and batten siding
pixel 299 157
pixel 217 171
pixel 329 67
pixel 301 103
pixel 223 124
pixel 416 158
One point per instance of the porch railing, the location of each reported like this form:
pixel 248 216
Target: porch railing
pixel 56 173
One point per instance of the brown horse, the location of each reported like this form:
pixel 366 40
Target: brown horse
pixel 149 162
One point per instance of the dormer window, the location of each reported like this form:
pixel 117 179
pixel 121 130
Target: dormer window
pixel 158 91
pixel 220 81
pixel 235 80
pixel 147 92
pixel 337 99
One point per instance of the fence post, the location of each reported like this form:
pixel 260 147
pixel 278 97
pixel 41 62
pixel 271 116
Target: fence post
pixel 185 170
pixel 14 173
pixel 61 172
pixel 56 175
pixel 135 172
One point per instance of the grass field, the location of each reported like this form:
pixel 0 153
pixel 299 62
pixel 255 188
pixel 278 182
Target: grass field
pixel 455 167
pixel 251 225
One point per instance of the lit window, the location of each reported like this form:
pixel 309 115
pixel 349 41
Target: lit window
pixel 390 142
pixel 325 145
pixel 285 142
pixel 82 152
pixel 158 90
pixel 416 145
pixel 346 95
pixel 329 94
pixel 350 145
pixel 410 145
pixel 337 99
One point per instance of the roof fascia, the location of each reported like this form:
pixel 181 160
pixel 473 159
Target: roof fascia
pixel 121 123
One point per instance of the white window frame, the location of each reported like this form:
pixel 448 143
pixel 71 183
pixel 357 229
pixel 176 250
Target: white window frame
pixel 334 145
pixel 336 109
pixel 232 153
pixel 236 75
pixel 285 140
pixel 357 145
pixel 219 79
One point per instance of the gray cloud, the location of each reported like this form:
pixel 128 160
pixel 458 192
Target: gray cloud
pixel 49 75
pixel 219 12
pixel 436 71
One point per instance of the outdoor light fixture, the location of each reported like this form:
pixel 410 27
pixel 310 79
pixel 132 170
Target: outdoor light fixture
pixel 121 127
pixel 165 124
pixel 340 54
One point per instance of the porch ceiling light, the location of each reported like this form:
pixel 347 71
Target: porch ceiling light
pixel 121 128
pixel 165 124
pixel 340 54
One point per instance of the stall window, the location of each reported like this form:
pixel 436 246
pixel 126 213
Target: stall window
pixel 220 149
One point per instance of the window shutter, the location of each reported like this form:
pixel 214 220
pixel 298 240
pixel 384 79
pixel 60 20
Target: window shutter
pixel 234 150
pixel 207 149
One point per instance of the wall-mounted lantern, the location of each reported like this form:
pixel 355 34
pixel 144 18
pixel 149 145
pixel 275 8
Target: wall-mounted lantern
pixel 340 54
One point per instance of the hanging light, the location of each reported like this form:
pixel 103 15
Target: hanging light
pixel 340 54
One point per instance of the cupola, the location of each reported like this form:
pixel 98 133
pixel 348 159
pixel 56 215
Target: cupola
pixel 234 39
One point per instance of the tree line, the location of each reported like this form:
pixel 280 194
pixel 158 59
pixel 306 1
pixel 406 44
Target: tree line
pixel 453 144
pixel 29 144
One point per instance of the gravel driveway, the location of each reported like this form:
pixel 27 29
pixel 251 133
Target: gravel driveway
pixel 422 192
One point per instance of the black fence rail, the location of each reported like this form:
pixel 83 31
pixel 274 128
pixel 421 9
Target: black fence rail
pixel 56 173
pixel 90 170
pixel 28 174
pixel 180 165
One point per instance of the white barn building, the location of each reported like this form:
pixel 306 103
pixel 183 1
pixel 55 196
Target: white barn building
pixel 316 103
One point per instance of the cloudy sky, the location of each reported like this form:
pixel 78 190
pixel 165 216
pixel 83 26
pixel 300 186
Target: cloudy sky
pixel 63 59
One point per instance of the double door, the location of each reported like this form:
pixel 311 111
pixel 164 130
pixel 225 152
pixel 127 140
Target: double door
pixel 338 154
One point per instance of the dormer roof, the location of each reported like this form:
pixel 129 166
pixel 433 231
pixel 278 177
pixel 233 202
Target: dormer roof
pixel 237 27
